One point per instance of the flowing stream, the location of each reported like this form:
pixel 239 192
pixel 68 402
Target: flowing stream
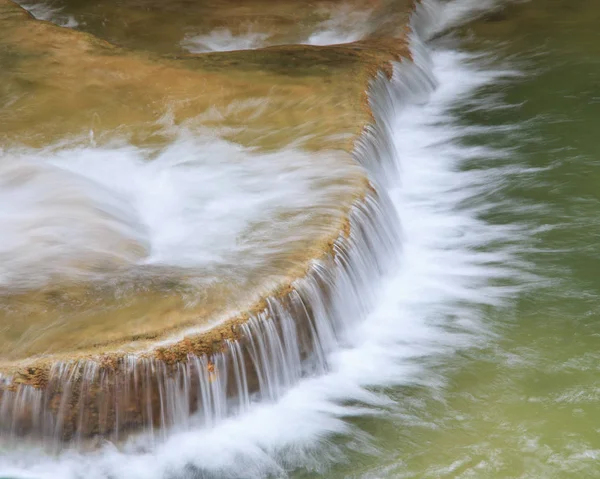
pixel 475 354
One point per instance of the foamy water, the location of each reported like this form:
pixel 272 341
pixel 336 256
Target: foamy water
pixel 451 264
pixel 344 25
pixel 48 12
pixel 223 40
pixel 199 203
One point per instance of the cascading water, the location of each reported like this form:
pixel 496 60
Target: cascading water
pixel 299 366
pixel 162 198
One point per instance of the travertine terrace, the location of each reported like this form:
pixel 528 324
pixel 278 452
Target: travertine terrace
pixel 102 357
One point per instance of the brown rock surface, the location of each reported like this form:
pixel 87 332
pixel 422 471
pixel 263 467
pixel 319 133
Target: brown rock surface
pixel 57 84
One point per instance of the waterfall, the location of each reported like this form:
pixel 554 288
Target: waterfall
pixel 290 338
pixel 274 348
pixel 295 337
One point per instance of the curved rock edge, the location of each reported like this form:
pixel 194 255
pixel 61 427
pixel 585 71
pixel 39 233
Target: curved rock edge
pixel 92 396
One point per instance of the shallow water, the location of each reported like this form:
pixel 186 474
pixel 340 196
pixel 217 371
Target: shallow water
pixel 117 237
pixel 480 359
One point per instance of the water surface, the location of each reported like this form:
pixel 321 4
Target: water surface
pixel 481 357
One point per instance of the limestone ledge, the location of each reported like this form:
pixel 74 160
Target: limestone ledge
pixel 62 75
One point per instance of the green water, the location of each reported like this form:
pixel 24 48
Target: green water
pixel 528 404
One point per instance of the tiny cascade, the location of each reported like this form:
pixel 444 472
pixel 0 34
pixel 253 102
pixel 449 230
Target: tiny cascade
pixel 289 339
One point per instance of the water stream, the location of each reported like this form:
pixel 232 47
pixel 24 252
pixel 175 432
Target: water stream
pixel 474 355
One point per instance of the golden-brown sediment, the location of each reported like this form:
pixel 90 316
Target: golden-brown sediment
pixel 59 83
